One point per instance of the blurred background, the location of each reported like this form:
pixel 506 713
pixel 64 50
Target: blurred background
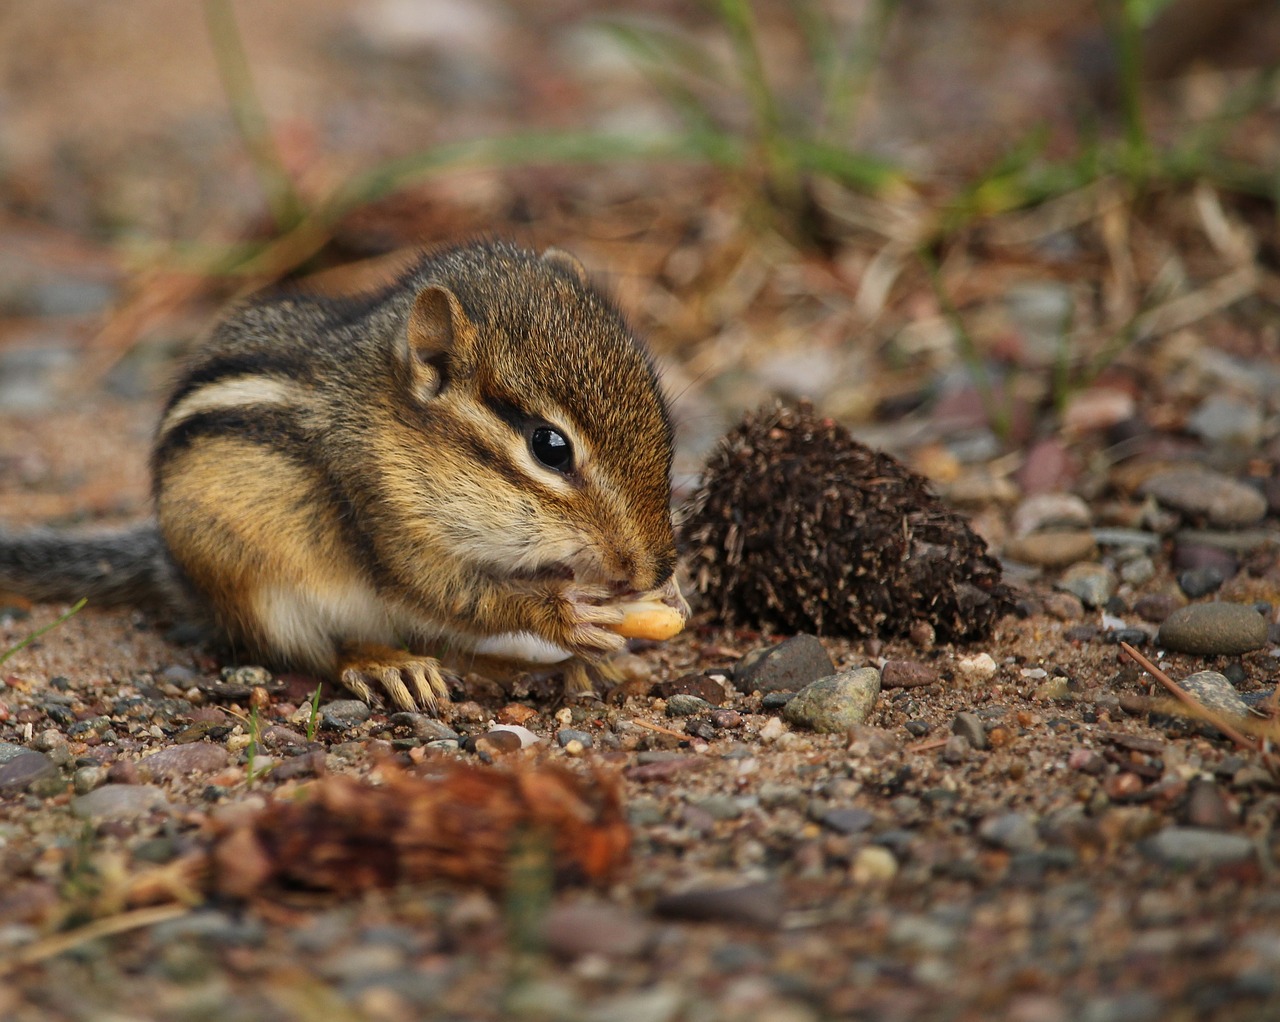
pixel 995 238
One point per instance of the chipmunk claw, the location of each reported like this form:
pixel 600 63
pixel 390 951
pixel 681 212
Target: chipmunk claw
pixel 411 681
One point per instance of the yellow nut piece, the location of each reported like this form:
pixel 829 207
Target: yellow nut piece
pixel 648 619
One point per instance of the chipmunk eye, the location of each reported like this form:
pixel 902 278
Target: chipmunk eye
pixel 552 448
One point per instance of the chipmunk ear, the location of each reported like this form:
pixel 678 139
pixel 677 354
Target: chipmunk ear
pixel 566 261
pixel 437 327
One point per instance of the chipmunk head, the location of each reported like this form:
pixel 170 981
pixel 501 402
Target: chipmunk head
pixel 548 413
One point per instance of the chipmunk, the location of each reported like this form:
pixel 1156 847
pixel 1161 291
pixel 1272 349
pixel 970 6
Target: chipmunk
pixel 475 460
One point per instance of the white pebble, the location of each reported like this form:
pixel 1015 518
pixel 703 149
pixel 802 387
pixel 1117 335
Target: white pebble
pixel 977 668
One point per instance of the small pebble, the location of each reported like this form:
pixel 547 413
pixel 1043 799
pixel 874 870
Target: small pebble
pixel 718 807
pixel 574 929
pixel 1014 832
pixel 1185 846
pixel 343 714
pixel 1051 549
pixel 1227 420
pixel 24 768
pixel 183 761
pixel 1087 761
pixel 873 866
pixel 867 742
pixel 87 778
pixel 523 734
pixel 495 743
pixel 1092 583
pixel 978 668
pixel 566 735
pixel 1209 629
pixel 1117 537
pixel 1063 606
pixel 1157 606
pixel 790 665
pixel 1208 806
pixel 425 728
pixel 755 904
pixel 1201 493
pixel 1048 466
pixel 907 674
pixel 705 686
pixel 956 750
pixel 847 821
pixel 726 719
pixel 1138 571
pixel 832 705
pixel 969 726
pixel 1042 512
pixel 683 705
pixel 119 803
pixel 1190 556
pixel 1096 408
pixel 1216 693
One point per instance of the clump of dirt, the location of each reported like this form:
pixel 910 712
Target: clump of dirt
pixel 797 527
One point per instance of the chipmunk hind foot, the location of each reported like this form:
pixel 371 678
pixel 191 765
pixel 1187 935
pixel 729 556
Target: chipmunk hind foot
pixel 411 681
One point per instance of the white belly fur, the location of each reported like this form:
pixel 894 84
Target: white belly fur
pixel 522 646
pixel 304 625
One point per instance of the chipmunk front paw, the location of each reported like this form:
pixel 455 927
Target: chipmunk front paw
pixel 584 623
pixel 411 681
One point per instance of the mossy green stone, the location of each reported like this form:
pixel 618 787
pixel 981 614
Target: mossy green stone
pixel 833 705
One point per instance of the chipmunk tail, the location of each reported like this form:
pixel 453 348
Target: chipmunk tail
pixel 124 566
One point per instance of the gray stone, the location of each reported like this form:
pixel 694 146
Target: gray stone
pixel 684 705
pixel 119 802
pixel 184 760
pixel 18 772
pixel 1227 420
pixel 1014 832
pixel 788 666
pixel 847 821
pixel 425 728
pixel 1126 537
pixel 8 750
pixel 1196 846
pixel 969 727
pixel 567 734
pixel 87 778
pixel 1200 493
pixel 1201 581
pixel 343 714
pixel 835 704
pixel 718 807
pixel 1209 629
pixel 1216 693
pixel 1138 571
pixel 1092 584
